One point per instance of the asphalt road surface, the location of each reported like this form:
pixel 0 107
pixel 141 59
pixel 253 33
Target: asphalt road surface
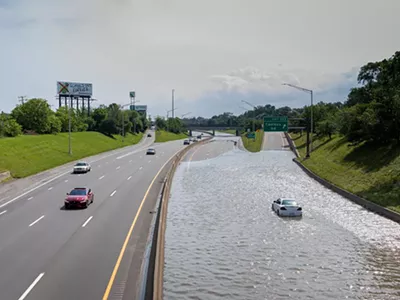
pixel 47 252
pixel 275 141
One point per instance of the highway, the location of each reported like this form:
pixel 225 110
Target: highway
pixel 275 141
pixel 47 252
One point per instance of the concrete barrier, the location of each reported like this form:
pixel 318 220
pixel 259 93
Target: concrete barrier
pixel 153 272
pixel 292 145
pixel 373 207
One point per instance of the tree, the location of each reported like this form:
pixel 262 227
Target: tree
pixel 33 115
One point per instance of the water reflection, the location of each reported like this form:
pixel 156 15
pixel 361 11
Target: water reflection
pixel 224 241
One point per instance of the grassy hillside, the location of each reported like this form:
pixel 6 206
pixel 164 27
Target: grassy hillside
pixel 230 131
pixel 165 136
pixel 253 145
pixel 30 154
pixel 370 171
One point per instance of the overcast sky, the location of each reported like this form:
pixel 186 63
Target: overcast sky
pixel 213 52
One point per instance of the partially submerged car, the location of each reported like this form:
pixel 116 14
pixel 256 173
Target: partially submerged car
pixel 287 207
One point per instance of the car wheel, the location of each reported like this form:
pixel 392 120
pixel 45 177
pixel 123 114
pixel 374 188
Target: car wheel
pixel 92 199
pixel 278 212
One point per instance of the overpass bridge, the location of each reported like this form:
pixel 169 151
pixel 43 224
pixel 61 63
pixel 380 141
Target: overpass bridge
pixel 211 129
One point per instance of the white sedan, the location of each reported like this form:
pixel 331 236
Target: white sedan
pixel 287 207
pixel 82 167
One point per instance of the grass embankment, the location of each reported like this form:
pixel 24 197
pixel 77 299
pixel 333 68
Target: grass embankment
pixel 30 154
pixel 165 136
pixel 230 131
pixel 369 171
pixel 253 145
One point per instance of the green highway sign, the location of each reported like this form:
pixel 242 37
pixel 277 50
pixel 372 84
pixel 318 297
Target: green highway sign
pixel 132 94
pixel 251 135
pixel 275 124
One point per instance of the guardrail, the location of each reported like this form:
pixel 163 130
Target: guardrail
pixel 152 271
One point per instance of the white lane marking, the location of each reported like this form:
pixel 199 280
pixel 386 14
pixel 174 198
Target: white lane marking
pixel 34 222
pixel 149 161
pixel 50 188
pixel 140 168
pixel 87 221
pixel 130 161
pixel 30 198
pixel 98 166
pixel 113 193
pixel 101 177
pixel 129 177
pixel 3 212
pixel 118 167
pixel 140 157
pixel 29 289
pixel 66 180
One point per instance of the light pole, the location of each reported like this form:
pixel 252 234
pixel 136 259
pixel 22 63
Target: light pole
pixel 311 112
pixel 69 127
pixel 123 121
pixel 254 113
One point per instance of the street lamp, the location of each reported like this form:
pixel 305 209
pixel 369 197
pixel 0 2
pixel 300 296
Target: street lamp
pixel 254 113
pixel 123 121
pixel 311 112
pixel 186 114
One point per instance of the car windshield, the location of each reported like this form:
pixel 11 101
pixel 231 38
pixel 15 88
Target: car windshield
pixel 78 192
pixel 289 202
pixel 151 149
pixel 80 164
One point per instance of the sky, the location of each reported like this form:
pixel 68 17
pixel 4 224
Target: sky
pixel 214 53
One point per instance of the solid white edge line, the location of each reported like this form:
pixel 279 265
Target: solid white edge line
pixel 54 178
pixel 29 289
pixel 87 221
pixel 113 193
pixel 3 212
pixel 34 222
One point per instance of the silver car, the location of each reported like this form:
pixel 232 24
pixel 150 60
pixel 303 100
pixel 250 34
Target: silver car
pixel 151 151
pixel 287 207
pixel 82 167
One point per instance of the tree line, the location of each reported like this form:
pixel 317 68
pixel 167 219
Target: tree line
pixel 370 113
pixel 36 117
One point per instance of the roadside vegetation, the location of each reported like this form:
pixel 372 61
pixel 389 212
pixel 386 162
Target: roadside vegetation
pixel 27 155
pixel 230 131
pixel 367 170
pixel 165 136
pixel 251 144
pixel 34 138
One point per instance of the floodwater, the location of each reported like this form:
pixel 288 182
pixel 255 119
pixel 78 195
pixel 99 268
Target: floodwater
pixel 223 241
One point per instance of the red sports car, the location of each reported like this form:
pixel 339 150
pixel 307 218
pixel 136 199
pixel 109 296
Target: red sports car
pixel 79 197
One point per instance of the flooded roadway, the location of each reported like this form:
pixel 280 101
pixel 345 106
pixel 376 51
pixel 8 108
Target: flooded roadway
pixel 224 242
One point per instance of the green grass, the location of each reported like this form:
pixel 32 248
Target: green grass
pixel 231 131
pixel 253 145
pixel 165 136
pixel 30 154
pixel 370 171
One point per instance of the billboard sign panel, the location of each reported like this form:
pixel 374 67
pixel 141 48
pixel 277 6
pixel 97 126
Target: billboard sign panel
pixel 74 89
pixel 132 94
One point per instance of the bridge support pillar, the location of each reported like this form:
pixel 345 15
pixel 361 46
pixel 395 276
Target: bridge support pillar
pixel 213 131
pixel 190 132
pixel 237 132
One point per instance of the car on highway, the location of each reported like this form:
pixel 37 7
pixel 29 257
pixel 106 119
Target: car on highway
pixel 151 151
pixel 79 197
pixel 82 167
pixel 199 137
pixel 149 135
pixel 287 207
pixel 186 142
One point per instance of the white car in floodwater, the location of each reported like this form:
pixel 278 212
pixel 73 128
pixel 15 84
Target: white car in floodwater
pixel 287 208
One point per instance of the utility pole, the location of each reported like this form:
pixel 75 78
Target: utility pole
pixel 69 127
pixel 22 99
pixel 173 100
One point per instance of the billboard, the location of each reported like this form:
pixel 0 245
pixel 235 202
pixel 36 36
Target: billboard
pixel 139 107
pixel 74 89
